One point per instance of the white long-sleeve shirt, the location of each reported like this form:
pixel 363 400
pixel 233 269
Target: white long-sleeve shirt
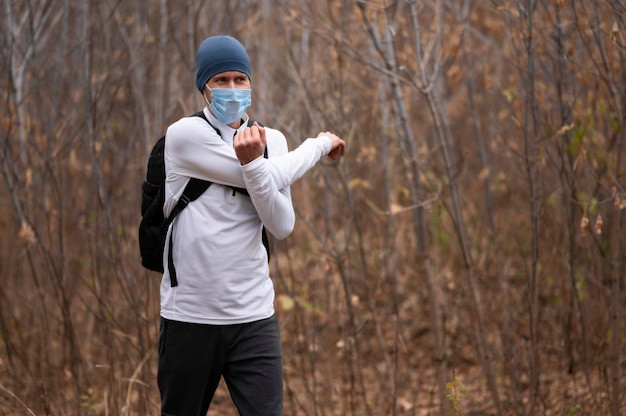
pixel 221 264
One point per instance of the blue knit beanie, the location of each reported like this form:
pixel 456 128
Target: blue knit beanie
pixel 219 54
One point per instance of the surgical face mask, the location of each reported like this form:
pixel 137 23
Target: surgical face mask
pixel 229 104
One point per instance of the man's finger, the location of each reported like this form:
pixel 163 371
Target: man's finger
pixel 261 131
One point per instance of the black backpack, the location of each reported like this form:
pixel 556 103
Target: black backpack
pixel 153 227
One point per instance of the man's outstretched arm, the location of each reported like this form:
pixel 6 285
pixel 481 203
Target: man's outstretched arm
pixel 268 180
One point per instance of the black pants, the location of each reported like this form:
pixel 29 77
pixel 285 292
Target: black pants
pixel 193 358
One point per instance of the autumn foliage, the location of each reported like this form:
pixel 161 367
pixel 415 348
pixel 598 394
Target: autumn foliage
pixel 466 257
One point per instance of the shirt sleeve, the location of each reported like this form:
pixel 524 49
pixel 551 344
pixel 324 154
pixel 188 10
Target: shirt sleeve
pixel 193 149
pixel 268 181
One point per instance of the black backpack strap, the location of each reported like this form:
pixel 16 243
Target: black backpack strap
pixel 194 188
pixel 202 115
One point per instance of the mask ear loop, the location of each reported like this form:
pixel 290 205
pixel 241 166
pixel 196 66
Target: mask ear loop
pixel 204 94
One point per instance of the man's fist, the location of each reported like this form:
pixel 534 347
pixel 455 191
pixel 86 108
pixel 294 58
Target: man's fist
pixel 338 146
pixel 250 144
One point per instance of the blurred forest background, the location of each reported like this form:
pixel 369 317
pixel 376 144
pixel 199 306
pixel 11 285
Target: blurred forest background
pixel 465 258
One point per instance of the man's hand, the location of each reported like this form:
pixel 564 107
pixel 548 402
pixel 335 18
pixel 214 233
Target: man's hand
pixel 338 146
pixel 250 144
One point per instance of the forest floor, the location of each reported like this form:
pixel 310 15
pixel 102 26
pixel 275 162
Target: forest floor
pixel 560 394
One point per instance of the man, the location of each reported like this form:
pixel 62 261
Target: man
pixel 219 319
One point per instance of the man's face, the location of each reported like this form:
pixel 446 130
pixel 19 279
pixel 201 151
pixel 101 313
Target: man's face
pixel 232 80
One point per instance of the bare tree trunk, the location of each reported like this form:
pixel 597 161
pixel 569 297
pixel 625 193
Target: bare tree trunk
pixel 391 255
pixel 385 49
pixel 563 80
pixel 617 268
pixel 530 135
